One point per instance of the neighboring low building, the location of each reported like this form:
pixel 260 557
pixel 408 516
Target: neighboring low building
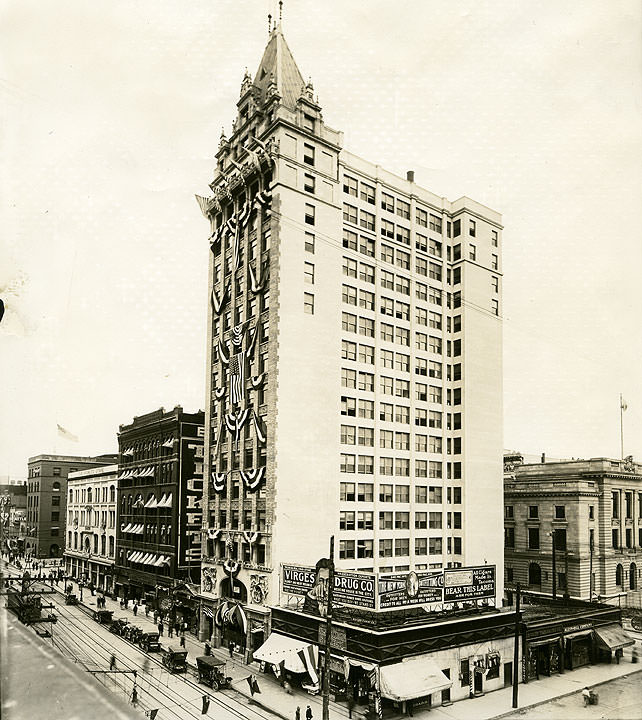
pixel 159 517
pixel 47 500
pixel 594 509
pixel 91 525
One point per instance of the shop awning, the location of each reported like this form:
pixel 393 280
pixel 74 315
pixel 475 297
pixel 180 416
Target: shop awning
pixel 613 637
pixel 578 634
pixel 278 648
pixel 537 643
pixel 412 678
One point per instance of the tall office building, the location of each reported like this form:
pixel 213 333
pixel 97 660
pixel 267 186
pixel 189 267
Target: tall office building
pixel 354 380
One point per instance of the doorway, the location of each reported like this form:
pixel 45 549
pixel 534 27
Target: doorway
pixel 479 681
pixel 508 674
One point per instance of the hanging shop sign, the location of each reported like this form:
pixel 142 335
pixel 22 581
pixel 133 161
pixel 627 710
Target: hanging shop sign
pixel 469 583
pixel 412 588
pixel 350 588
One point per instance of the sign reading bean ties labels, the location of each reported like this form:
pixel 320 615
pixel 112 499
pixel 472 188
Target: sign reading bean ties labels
pixel 391 590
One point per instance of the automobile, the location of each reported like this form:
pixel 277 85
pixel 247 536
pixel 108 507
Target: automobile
pixel 118 626
pixel 133 633
pixel 148 641
pixel 175 659
pixel 104 617
pixel 211 671
pixel 71 598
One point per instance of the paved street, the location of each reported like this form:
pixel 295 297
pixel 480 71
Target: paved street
pixel 620 699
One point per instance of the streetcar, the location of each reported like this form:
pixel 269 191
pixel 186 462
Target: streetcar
pixel 148 641
pixel 175 659
pixel 71 599
pixel 211 671
pixel 28 608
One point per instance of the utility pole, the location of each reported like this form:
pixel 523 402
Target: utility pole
pixel 516 647
pixel 554 570
pixel 590 565
pixel 328 633
pixel 622 409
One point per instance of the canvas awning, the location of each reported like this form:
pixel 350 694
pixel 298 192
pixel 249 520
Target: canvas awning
pixel 613 637
pixel 127 528
pixel 278 648
pixel 547 641
pixel 412 678
pixel 578 634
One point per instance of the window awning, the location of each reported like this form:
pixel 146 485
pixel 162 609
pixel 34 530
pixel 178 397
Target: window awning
pixel 412 678
pixel 547 641
pixel 278 648
pixel 151 501
pixel 127 528
pixel 613 637
pixel 578 634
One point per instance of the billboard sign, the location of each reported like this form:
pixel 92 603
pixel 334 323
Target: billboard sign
pixel 411 588
pixel 469 583
pixel 350 588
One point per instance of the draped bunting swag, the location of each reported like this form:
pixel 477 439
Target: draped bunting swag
pixel 219 393
pixel 260 432
pixel 257 380
pixel 253 478
pixel 237 334
pixel 257 282
pixel 250 537
pixel 219 481
pixel 225 358
pixel 218 303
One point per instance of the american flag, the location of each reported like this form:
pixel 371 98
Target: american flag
pixel 237 378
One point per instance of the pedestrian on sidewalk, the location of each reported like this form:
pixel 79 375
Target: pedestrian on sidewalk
pixel 170 629
pixel 350 704
pixel 177 626
pixel 146 610
pixel 160 628
pixel 231 648
pixel 297 713
pixel 112 662
pixel 135 609
pixel 183 640
pixel 308 713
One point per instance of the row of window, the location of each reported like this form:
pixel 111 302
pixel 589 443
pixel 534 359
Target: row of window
pixel 401 361
pixel 351 435
pixel 364 492
pixel 400 520
pixel 628 496
pixel 398 413
pixel 249 523
pixel 397 386
pixel 534 538
pixel 397 547
pixel 389 254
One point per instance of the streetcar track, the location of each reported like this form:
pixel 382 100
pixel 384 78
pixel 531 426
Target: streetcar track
pixel 76 631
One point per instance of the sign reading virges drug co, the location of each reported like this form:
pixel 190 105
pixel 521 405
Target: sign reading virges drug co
pixel 350 588
pixel 469 583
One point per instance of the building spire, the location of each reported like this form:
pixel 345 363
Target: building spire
pixel 280 11
pixel 269 24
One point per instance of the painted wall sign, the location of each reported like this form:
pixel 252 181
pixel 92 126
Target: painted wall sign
pixel 469 583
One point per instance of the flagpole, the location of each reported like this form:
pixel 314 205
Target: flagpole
pixel 621 429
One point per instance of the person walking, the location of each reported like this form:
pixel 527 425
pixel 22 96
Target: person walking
pixel 135 609
pixel 182 640
pixel 146 610
pixel 170 630
pixel 230 647
pixel 350 704
pixel 308 713
pixel 112 662
pixel 297 713
pixel 160 628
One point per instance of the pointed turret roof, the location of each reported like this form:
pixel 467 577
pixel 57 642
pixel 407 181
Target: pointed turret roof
pixel 278 65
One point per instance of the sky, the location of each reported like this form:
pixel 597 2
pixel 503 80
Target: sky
pixel 111 115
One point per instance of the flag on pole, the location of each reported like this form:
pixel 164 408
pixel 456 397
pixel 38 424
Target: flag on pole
pixel 623 404
pixel 63 433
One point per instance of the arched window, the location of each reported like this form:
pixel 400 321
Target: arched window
pixel 75 541
pixel 112 493
pixel 111 546
pixel 71 496
pixel 55 487
pixel 534 574
pixel 619 576
pixel 129 504
pixel 633 572
pixel 89 495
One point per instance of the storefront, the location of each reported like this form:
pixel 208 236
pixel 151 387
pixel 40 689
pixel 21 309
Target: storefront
pixel 569 637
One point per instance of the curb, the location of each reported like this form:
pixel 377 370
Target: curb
pixel 558 697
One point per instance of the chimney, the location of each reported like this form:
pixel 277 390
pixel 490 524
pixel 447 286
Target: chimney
pixel 543 457
pixel 410 176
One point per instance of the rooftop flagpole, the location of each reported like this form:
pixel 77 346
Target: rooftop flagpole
pixel 623 407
